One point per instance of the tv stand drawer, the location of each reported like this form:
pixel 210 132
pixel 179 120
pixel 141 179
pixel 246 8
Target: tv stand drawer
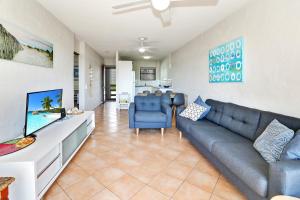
pixel 47 159
pixel 48 173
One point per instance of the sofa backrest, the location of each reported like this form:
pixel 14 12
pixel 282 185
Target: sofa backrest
pixel 216 110
pixel 245 121
pixel 147 103
pixel 267 117
pixel 241 120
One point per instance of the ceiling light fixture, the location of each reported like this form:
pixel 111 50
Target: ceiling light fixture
pixel 160 5
pixel 142 50
pixel 147 57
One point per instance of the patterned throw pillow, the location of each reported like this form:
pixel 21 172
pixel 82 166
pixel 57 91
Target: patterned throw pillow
pixel 200 102
pixel 271 143
pixel 193 111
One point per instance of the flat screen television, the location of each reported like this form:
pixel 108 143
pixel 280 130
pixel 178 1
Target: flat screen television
pixel 42 109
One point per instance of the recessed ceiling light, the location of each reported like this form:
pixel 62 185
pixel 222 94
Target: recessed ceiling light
pixel 147 57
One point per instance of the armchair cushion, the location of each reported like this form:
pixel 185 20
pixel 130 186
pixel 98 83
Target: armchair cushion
pixel 147 116
pixel 166 109
pixel 131 113
pixel 147 103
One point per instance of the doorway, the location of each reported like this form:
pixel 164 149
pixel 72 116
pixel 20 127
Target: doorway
pixel 109 83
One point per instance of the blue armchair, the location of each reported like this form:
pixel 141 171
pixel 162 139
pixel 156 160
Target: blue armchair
pixel 149 112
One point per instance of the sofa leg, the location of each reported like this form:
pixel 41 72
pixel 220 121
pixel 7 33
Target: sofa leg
pixel 137 130
pixel 180 134
pixel 162 130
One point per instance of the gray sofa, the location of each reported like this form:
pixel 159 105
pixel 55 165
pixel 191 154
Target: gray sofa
pixel 226 138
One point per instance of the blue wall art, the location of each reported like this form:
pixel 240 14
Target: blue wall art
pixel 226 62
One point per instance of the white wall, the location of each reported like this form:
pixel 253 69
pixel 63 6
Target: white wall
pixel 146 63
pixel 271 30
pixel 16 79
pixel 110 61
pixel 165 68
pixel 90 94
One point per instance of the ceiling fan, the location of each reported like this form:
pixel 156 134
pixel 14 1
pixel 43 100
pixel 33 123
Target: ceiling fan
pixel 143 47
pixel 162 5
pixel 161 8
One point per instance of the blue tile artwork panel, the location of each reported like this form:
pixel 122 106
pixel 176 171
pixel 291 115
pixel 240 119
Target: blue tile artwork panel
pixel 226 62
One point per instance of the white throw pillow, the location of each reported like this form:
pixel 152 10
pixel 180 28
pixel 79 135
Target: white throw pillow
pixel 271 143
pixel 193 111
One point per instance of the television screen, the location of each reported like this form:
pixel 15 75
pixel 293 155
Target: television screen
pixel 42 109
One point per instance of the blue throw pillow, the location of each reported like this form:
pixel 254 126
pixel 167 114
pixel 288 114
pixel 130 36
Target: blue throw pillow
pixel 292 150
pixel 200 102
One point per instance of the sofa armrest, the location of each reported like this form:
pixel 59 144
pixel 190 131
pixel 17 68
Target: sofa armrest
pixel 131 113
pixel 165 108
pixel 180 109
pixel 284 178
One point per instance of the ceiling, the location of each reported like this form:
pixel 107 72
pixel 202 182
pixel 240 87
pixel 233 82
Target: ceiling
pixel 94 22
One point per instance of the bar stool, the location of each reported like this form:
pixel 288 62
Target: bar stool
pixel 146 92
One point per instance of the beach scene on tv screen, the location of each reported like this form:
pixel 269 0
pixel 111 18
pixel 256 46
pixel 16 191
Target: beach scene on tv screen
pixel 43 109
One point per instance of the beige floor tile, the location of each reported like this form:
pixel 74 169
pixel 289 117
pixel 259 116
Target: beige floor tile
pixel 143 174
pixel 178 170
pixel 191 192
pixel 105 195
pixel 202 180
pixel 227 191
pixel 93 165
pixel 188 159
pixel 165 184
pixel 126 187
pixel 71 175
pixel 147 193
pixel 205 166
pixel 108 175
pixel 54 190
pixel 84 189
pixel 83 156
pixel 60 196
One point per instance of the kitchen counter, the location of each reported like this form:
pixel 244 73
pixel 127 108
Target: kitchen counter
pixel 152 89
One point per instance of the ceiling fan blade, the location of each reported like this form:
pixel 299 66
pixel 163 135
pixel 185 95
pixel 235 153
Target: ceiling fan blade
pixel 129 4
pixel 190 3
pixel 131 9
pixel 165 17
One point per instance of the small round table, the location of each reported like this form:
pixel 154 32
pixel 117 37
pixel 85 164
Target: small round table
pixel 284 198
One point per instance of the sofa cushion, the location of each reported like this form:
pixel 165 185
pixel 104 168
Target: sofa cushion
pixel 216 110
pixel 243 161
pixel 147 103
pixel 209 134
pixel 267 117
pixel 241 120
pixel 147 116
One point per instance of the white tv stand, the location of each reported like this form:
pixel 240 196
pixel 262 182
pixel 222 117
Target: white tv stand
pixel 37 166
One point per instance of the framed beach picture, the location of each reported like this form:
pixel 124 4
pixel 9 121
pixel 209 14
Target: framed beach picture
pixel 226 62
pixel 18 45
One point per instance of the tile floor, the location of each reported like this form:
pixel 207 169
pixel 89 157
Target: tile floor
pixel 116 164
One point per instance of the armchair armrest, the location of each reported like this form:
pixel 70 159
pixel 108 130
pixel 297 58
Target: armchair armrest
pixel 165 108
pixel 284 178
pixel 131 113
pixel 180 109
